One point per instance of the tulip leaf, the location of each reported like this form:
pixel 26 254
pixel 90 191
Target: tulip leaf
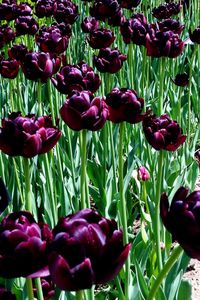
pixel 140 278
pixel 4 196
pixel 185 291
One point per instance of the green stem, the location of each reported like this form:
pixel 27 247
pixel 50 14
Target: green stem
pixel 27 176
pixel 161 90
pixel 51 101
pixel 39 97
pixel 29 287
pixel 39 289
pixel 122 207
pixel 130 64
pixel 110 128
pixel 157 219
pixel 18 182
pixel 167 267
pixel 79 295
pixel 84 201
pixel 90 293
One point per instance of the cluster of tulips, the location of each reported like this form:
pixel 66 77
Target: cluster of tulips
pixel 78 252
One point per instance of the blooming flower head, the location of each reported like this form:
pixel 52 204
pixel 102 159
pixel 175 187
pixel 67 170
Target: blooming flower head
pixel 195 35
pixel 181 219
pixel 65 11
pixel 84 111
pixel 27 136
pixel 162 133
pixel 165 11
pixel 9 68
pixel 44 8
pixel 26 25
pixel 101 38
pixel 104 9
pixel 89 24
pixel 87 249
pixel 23 246
pixel 181 79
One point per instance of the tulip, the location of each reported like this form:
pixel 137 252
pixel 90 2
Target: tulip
pixel 101 38
pixel 181 79
pixel 129 4
pixel 6 35
pixel 44 8
pixel 116 19
pixel 17 51
pixel 89 24
pixel 4 196
pixel 124 105
pixel 23 9
pixel 27 136
pixel 26 25
pixel 104 9
pixel 181 219
pixel 197 156
pixel 109 60
pixel 195 35
pixel 163 133
pixel 163 43
pixel 9 68
pixel 5 294
pixel 134 30
pixel 23 245
pixel 50 39
pixel 39 66
pixel 48 289
pixel 83 111
pixel 87 249
pixel 165 11
pixel 172 25
pixel 76 78
pixel 7 11
pixel 143 174
pixel 65 11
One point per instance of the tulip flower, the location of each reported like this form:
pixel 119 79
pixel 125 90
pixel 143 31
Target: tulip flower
pixel 17 51
pixel 172 25
pixel 7 11
pixel 143 174
pixel 23 9
pixel 116 19
pixel 26 25
pixel 197 156
pixel 87 249
pixel 48 288
pixel 109 60
pixel 27 136
pixel 181 79
pixel 89 24
pixel 5 294
pixel 104 9
pixel 165 11
pixel 101 38
pixel 23 246
pixel 9 68
pixel 76 78
pixel 124 105
pixel 181 219
pixel 39 66
pixel 83 111
pixel 65 11
pixel 195 35
pixel 163 133
pixel 129 4
pixel 6 35
pixel 44 8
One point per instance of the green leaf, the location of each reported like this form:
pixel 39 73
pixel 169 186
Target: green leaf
pixel 185 291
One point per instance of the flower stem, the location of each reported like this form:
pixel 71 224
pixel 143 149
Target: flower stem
pixel 29 287
pixel 167 267
pixel 84 201
pixel 18 182
pixel 79 295
pixel 161 90
pixel 27 176
pixel 122 208
pixel 157 219
pixel 39 288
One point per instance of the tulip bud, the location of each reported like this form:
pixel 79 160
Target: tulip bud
pixel 27 136
pixel 26 25
pixel 125 105
pixel 163 133
pixel 165 11
pixel 9 68
pixel 87 249
pixel 195 35
pixel 109 60
pixel 181 79
pixel 101 38
pixel 143 174
pixel 23 246
pixel 83 111
pixel 181 219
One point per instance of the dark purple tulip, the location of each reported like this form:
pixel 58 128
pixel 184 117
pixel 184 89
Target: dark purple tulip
pixel 197 156
pixel 109 60
pixel 44 8
pixel 104 9
pixel 76 78
pixel 17 51
pixel 4 196
pixel 181 79
pixel 195 35
pixel 163 43
pixel 87 249
pixel 143 174
pixel 124 105
pixel 162 133
pixel 101 38
pixel 48 288
pixel 182 219
pixel 134 30
pixel 89 24
pixel 23 9
pixel 129 4
pixel 65 11
pixel 7 11
pixel 26 25
pixel 64 28
pixel 50 39
pixel 23 246
pixel 6 35
pixel 172 25
pixel 83 111
pixel 5 294
pixel 27 136
pixel 117 19
pixel 9 68
pixel 165 11
pixel 38 66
